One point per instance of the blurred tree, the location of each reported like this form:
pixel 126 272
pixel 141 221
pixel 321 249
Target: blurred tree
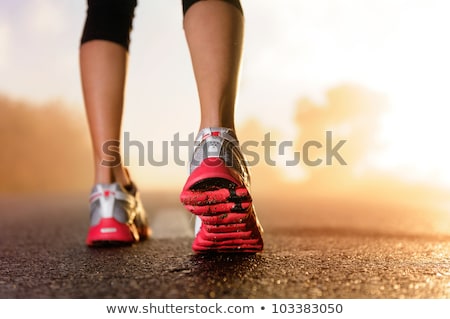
pixel 44 148
pixel 350 114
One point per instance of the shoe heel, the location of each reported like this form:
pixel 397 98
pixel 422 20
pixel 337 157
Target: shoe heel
pixel 110 232
pixel 213 168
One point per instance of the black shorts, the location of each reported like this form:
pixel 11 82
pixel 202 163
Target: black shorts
pixel 112 20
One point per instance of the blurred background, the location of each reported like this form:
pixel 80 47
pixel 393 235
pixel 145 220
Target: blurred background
pixel 374 73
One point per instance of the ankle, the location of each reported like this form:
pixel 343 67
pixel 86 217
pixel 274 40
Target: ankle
pixel 213 121
pixel 109 175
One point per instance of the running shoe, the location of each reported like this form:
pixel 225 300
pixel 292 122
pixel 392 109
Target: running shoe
pixel 117 216
pixel 218 193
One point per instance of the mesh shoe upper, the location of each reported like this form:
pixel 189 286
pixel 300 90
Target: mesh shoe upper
pixel 220 143
pixel 116 214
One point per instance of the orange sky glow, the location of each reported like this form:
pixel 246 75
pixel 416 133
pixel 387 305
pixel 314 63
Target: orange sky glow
pixel 374 73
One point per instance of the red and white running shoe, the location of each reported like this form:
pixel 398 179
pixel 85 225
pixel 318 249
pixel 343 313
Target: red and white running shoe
pixel 218 193
pixel 117 216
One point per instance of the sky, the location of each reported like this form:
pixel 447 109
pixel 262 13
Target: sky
pixel 293 49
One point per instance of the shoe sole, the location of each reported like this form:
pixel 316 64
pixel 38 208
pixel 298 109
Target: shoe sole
pixel 110 232
pixel 224 205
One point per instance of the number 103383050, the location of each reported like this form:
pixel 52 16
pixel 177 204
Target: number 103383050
pixel 307 308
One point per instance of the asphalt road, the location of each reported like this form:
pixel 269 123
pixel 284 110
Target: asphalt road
pixel 42 255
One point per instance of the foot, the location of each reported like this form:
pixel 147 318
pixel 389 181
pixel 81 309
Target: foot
pixel 217 192
pixel 117 216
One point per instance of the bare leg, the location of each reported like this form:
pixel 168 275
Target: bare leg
pixel 226 220
pixel 103 71
pixel 214 33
